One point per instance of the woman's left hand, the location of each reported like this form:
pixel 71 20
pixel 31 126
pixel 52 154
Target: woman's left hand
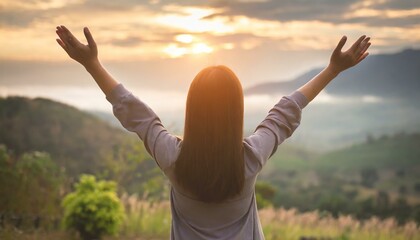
pixel 341 61
pixel 84 54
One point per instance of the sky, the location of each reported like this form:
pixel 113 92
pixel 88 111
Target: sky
pixel 156 47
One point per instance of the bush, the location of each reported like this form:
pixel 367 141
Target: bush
pixel 93 209
pixel 264 193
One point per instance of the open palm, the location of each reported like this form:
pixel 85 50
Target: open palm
pixel 84 54
pixel 341 61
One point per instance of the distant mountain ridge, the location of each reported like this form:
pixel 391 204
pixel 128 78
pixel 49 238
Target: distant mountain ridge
pixel 382 75
pixel 76 140
pixel 78 143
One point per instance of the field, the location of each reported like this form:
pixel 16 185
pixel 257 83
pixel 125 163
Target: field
pixel 148 220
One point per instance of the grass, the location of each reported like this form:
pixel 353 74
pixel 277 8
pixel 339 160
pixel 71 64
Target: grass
pixel 290 224
pixel 151 220
pixel 145 218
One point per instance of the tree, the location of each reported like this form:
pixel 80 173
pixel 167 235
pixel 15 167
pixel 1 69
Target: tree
pixel 382 203
pixel 417 187
pixel 93 209
pixel 264 194
pixel 401 210
pixel 29 184
pixel 369 177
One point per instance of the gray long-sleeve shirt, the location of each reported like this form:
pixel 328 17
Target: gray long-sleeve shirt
pixel 235 218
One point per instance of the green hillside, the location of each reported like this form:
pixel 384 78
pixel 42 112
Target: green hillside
pixel 376 177
pixel 401 151
pixel 77 142
pixel 72 137
pixel 398 152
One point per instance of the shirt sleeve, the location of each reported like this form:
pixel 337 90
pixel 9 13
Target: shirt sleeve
pixel 137 117
pixel 281 121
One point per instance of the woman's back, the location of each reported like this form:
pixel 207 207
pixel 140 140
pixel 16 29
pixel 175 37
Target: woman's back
pixel 235 218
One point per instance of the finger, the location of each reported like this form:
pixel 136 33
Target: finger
pixel 63 37
pixel 362 57
pixel 356 44
pixel 362 47
pixel 70 37
pixel 89 38
pixel 66 30
pixel 365 48
pixel 340 44
pixel 366 40
pixel 62 44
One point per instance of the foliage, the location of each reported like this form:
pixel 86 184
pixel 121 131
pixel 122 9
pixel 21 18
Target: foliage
pixel 29 184
pixel 374 178
pixel 93 209
pixel 135 171
pixel 369 177
pixel 264 193
pixel 78 142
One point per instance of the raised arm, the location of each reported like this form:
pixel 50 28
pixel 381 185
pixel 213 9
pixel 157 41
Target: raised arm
pixel 87 55
pixel 339 62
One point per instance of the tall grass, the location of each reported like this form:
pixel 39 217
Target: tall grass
pixel 152 220
pixel 290 224
pixel 146 218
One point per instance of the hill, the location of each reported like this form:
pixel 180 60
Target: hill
pixel 400 151
pixel 78 142
pixel 352 179
pixel 395 154
pixel 69 135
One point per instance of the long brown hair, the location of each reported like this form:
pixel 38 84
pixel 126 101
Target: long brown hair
pixel 211 161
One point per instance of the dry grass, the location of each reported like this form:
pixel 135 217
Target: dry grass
pixel 289 224
pixel 151 220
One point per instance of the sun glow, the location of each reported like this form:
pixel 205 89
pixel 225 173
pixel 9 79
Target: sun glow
pixel 184 38
pixel 175 51
pixel 193 19
pixel 201 48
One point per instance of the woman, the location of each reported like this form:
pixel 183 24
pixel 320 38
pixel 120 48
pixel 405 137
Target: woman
pixel 212 170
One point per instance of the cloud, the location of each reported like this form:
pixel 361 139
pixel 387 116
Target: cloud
pixel 130 30
pixel 37 4
pixel 289 10
pixel 330 11
pixel 397 4
pixel 376 13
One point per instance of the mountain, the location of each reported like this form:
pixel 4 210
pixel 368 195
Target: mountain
pixel 379 96
pixel 382 75
pixel 77 141
pixel 69 135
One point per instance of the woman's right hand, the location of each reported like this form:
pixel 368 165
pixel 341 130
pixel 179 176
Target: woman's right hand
pixel 84 54
pixel 341 61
